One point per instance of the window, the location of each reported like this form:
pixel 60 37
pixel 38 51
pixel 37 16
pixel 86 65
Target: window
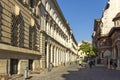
pixel 31 2
pixel 14 66
pixel 17 36
pixel 30 64
pixel 33 38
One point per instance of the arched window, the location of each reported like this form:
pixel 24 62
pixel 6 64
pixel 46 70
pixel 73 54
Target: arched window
pixel 17 36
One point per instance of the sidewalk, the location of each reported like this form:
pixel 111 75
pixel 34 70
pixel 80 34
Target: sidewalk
pixel 52 74
pixel 54 70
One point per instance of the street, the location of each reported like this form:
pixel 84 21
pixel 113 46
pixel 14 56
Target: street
pixel 74 72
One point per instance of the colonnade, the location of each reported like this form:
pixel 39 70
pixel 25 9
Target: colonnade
pixel 56 55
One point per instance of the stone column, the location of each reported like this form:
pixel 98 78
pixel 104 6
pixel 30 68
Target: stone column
pixel 62 56
pixel 54 56
pixel 51 57
pixel 65 57
pixel 57 57
pixel 118 58
pixel 47 55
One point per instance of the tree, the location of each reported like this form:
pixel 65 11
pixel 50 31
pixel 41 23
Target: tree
pixel 88 49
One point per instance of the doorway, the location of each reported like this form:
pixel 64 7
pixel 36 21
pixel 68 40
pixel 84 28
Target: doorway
pixel 14 66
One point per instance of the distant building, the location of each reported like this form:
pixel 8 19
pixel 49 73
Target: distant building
pixel 81 54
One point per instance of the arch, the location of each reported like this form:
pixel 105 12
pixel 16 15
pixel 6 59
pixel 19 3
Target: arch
pixel 107 53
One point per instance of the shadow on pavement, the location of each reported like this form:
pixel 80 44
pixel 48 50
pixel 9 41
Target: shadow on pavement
pixel 95 73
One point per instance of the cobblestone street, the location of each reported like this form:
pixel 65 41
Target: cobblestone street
pixel 73 72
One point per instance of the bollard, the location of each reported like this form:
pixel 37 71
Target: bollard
pixel 26 73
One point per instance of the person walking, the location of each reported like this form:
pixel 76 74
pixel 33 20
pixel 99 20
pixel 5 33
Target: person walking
pixel 90 63
pixel 80 63
pixel 111 63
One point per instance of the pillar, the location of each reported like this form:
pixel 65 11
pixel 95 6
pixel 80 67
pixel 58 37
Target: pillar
pixel 47 55
pixel 51 54
pixel 57 57
pixel 54 56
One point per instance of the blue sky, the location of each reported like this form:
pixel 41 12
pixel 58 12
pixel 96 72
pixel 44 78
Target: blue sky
pixel 81 14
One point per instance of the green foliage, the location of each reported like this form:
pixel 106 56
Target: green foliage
pixel 88 49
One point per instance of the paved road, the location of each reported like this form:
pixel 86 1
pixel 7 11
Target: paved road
pixel 73 72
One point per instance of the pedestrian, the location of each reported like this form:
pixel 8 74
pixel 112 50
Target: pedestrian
pixel 115 65
pixel 80 63
pixel 90 63
pixel 111 63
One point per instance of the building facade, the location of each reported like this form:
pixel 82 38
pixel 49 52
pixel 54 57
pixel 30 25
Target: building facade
pixel 108 38
pixel 34 34
pixel 58 43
